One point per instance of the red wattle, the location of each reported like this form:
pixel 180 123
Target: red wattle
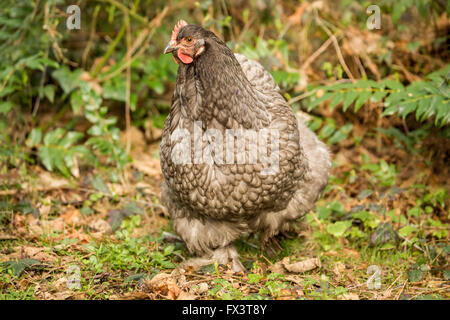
pixel 184 57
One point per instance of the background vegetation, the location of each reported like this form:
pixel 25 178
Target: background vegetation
pixel 81 113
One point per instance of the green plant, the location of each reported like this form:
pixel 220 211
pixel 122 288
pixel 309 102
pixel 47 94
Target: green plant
pixel 428 98
pixel 329 131
pixel 58 149
pixel 381 173
pixel 273 285
pixel 224 290
pixel 411 140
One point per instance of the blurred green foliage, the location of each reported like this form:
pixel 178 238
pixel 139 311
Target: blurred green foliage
pixel 65 95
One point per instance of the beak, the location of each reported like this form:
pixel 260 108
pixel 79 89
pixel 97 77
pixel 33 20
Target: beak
pixel 170 47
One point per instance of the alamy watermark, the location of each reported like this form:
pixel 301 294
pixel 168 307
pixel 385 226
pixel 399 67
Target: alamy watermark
pixel 74 19
pixel 374 281
pixel 237 147
pixel 73 277
pixel 374 21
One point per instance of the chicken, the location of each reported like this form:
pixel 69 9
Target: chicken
pixel 235 158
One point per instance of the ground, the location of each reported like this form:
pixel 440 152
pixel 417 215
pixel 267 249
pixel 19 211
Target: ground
pixel 380 231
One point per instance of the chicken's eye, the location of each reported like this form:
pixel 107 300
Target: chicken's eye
pixel 188 39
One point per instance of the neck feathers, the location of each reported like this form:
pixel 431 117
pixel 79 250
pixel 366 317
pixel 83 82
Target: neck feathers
pixel 214 88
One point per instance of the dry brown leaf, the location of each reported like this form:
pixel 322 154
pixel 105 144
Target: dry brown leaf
pixel 72 216
pixel 131 296
pixel 136 137
pixel 78 235
pixel 18 220
pixel 331 253
pixel 295 279
pixel 199 288
pixel 41 292
pixel 301 266
pixel 349 296
pixel 277 268
pixel 165 285
pixel 296 17
pixel 49 226
pixel 101 226
pixel 186 296
pixel 5 236
pixel 37 253
pixel 60 285
pixel 286 294
pixel 351 253
pixel 47 181
pixel 338 269
pixel 148 165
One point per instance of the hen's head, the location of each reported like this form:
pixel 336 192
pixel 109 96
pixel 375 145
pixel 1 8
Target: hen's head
pixel 188 42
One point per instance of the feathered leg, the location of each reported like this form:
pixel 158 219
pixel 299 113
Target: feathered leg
pixel 210 239
pixel 220 255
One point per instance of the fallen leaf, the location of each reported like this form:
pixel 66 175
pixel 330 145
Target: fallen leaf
pixel 5 236
pixel 165 285
pixel 349 296
pixel 351 252
pixel 72 216
pixel 131 296
pixel 78 235
pixel 199 288
pixel 338 268
pixel 277 268
pixel 331 253
pixel 186 296
pixel 47 181
pixel 148 165
pixel 135 135
pixel 37 253
pixel 301 266
pixel 100 226
pixel 48 226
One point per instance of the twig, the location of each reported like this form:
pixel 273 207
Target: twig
pixel 41 85
pixel 110 50
pixel 126 10
pixel 316 54
pixel 413 244
pixel 301 97
pixel 397 296
pixel 336 46
pixel 261 255
pixel 408 75
pixel 245 29
pixel 395 281
pixel 6 79
pixel 360 66
pixel 317 220
pixel 145 34
pixel 128 93
pixel 91 36
pixel 430 291
pixel 128 61
pixel 38 99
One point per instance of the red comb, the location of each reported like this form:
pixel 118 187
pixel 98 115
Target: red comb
pixel 180 24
